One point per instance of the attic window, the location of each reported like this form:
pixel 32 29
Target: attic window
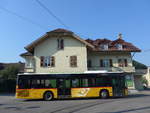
pixel 119 46
pixel 104 46
pixel 60 44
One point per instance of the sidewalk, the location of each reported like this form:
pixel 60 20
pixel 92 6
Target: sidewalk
pixel 134 91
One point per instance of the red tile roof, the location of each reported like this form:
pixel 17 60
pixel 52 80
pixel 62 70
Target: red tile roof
pixel 93 44
pixel 60 30
pixel 112 45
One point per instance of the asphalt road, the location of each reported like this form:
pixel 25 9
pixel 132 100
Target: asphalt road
pixel 139 103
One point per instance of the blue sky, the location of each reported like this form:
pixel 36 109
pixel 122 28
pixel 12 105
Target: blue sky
pixel 88 18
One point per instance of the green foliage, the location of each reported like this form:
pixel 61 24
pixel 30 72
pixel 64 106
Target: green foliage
pixel 144 81
pixel 139 65
pixel 9 72
pixel 8 78
pixel 7 85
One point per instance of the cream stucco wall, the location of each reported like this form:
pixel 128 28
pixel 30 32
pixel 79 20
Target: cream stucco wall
pixel 96 56
pixel 147 76
pixel 62 57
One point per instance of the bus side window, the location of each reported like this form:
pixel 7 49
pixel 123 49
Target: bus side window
pixel 91 82
pixel 35 83
pixel 84 82
pixel 24 83
pixel 75 83
pixel 100 82
pixel 50 83
pixel 42 84
pixel 47 83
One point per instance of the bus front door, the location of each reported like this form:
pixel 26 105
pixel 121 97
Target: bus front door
pixel 64 89
pixel 118 85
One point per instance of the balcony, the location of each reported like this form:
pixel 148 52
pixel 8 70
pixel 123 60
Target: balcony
pixel 29 70
pixel 128 69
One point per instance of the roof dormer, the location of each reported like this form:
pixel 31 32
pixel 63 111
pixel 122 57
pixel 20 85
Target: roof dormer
pixel 104 46
pixel 119 46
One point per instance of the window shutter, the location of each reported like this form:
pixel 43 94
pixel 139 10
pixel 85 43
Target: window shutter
pixel 58 43
pixel 62 44
pixel 89 63
pixel 73 61
pixel 110 63
pixel 101 63
pixel 53 61
pixel 48 60
pixel 126 63
pixel 42 61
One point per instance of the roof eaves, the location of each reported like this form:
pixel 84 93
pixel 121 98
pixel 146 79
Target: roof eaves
pixel 83 41
pixel 34 43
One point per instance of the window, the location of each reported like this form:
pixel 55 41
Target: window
pixel 29 63
pixel 85 82
pixel 24 83
pixel 88 82
pixel 89 63
pixel 50 83
pixel 73 61
pixel 106 63
pixel 75 83
pixel 122 63
pixel 47 61
pixel 119 46
pixel 103 81
pixel 104 46
pixel 60 44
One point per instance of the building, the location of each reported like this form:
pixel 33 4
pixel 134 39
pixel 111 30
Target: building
pixel 147 76
pixel 140 75
pixel 62 51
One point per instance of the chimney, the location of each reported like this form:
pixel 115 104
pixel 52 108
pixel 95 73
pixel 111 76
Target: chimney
pixel 119 36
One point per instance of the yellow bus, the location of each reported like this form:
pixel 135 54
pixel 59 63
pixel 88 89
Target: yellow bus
pixel 57 86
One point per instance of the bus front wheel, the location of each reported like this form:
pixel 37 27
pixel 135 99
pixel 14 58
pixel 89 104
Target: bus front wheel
pixel 104 94
pixel 48 96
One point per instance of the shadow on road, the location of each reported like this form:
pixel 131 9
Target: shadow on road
pixel 137 96
pixel 129 110
pixel 77 99
pixel 7 94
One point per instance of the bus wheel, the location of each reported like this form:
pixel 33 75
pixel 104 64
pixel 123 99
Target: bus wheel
pixel 48 96
pixel 104 94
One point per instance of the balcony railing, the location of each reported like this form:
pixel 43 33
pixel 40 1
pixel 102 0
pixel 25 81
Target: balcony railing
pixel 113 69
pixel 29 70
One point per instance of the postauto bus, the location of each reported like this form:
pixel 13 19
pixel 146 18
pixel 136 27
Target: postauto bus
pixel 56 86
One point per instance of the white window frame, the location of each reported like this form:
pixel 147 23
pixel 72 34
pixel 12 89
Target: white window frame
pixel 119 46
pixel 104 46
pixel 29 63
pixel 59 43
pixel 106 63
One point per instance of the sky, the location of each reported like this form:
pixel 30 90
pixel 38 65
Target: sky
pixel 23 21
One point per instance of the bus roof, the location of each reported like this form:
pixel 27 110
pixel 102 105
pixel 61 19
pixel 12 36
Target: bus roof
pixel 86 72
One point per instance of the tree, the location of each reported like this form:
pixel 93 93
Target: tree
pixel 10 72
pixel 139 65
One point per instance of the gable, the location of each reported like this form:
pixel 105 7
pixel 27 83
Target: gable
pixel 58 33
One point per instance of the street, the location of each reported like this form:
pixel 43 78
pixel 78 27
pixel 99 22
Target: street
pixel 138 103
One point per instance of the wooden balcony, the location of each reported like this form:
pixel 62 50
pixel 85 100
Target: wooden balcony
pixel 29 70
pixel 128 69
